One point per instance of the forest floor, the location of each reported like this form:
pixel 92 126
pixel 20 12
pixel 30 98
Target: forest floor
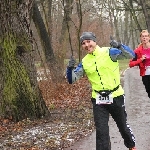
pixel 70 120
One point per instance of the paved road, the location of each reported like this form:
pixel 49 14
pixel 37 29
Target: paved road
pixel 138 110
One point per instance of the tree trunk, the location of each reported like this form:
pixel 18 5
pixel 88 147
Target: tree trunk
pixel 20 96
pixel 65 36
pixel 146 12
pixel 55 71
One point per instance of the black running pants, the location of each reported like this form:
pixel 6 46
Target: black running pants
pixel 101 118
pixel 146 82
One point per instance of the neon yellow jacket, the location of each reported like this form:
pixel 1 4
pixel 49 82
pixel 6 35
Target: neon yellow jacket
pixel 102 72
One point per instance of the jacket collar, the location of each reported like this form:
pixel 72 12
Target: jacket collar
pixel 95 50
pixel 139 49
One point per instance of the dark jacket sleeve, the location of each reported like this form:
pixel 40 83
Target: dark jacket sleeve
pixel 74 74
pixel 69 75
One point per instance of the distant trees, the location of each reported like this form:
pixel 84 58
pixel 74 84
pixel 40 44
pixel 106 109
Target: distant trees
pixel 45 39
pixel 122 19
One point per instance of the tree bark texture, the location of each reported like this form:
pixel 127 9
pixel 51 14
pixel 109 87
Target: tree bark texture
pixel 146 11
pixel 20 97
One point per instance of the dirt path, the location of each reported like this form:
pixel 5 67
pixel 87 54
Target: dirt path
pixel 138 110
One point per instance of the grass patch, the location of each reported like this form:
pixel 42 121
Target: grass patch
pixel 124 64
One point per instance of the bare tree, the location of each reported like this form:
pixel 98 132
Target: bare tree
pixel 145 4
pixel 55 71
pixel 93 16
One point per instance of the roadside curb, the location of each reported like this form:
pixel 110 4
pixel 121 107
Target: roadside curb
pixel 122 74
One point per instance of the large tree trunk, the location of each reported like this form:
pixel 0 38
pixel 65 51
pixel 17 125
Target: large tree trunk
pixel 20 96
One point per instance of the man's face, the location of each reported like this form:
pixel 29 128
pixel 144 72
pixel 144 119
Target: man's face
pixel 89 46
pixel 145 37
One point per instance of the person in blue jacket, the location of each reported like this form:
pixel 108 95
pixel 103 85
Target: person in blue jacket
pixel 101 67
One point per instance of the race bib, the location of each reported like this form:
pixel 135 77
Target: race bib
pixel 147 72
pixel 104 100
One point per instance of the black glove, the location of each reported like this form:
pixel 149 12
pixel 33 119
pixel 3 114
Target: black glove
pixel 114 43
pixel 72 62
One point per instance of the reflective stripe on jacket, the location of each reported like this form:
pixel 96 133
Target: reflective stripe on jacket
pixel 102 72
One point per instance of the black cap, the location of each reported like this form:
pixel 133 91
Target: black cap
pixel 87 36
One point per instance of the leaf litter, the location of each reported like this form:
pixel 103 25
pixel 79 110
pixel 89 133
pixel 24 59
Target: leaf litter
pixel 71 119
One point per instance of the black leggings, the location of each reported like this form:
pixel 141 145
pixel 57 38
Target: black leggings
pixel 146 82
pixel 101 118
